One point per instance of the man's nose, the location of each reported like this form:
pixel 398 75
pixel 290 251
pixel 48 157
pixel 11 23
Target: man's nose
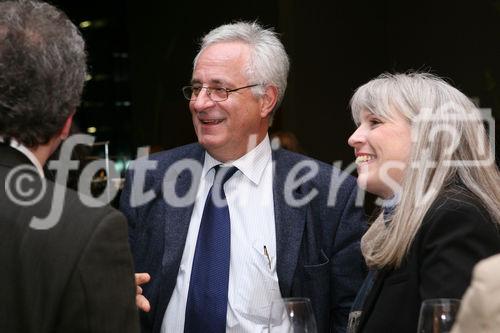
pixel 202 101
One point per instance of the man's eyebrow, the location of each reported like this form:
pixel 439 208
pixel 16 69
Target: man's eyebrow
pixel 216 82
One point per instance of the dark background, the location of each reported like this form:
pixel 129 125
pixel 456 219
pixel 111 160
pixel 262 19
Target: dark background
pixel 140 55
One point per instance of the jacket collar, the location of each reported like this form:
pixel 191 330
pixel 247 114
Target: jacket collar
pixel 11 157
pixel 32 159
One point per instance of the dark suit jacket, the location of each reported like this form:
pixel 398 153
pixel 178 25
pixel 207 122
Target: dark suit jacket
pixel 456 233
pixel 318 254
pixel 74 277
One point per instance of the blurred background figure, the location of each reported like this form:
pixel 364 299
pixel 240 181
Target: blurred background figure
pixel 286 140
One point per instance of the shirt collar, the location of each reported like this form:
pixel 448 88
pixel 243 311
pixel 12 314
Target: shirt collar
pixel 252 164
pixel 389 207
pixel 26 152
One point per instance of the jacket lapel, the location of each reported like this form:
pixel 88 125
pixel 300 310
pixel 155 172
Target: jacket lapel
pixel 289 221
pixel 176 219
pixel 176 225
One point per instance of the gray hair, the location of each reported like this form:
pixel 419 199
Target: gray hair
pixel 42 70
pixel 268 64
pixel 447 136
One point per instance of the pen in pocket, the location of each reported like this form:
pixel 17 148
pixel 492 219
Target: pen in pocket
pixel 267 255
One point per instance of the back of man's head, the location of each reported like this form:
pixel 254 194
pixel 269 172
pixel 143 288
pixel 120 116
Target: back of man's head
pixel 42 70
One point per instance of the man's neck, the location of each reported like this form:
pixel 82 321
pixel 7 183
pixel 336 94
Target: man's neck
pixel 224 156
pixel 42 153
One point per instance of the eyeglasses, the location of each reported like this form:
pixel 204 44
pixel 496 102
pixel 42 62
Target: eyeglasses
pixel 215 94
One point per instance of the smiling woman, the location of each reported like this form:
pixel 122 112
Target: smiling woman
pixel 421 145
pixel 374 154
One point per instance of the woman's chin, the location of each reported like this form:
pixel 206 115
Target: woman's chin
pixel 363 182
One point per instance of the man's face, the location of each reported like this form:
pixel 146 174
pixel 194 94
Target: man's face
pixel 227 129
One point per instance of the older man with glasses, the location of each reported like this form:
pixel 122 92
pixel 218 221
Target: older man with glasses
pixel 260 225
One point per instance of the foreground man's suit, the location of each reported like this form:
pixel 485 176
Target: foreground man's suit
pixel 318 254
pixel 74 277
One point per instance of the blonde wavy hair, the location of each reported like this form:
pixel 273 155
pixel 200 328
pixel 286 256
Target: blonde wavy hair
pixel 449 144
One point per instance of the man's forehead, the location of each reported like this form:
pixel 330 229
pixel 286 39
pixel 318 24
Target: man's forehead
pixel 222 64
pixel 227 49
pixel 214 81
pixel 224 55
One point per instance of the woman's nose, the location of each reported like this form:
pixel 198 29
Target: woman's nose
pixel 357 138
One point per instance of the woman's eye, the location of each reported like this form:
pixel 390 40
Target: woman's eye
pixel 374 121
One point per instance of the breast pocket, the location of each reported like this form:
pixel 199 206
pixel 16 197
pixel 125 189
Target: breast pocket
pixel 316 285
pixel 318 269
pixel 262 287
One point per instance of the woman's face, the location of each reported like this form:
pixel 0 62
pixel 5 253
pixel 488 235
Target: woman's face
pixel 382 148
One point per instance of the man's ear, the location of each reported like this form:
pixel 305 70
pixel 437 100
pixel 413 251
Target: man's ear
pixel 269 100
pixel 65 131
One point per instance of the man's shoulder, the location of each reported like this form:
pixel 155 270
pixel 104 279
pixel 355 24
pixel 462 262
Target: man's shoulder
pixel 76 206
pixel 485 278
pixel 83 223
pixel 489 268
pixel 192 149
pixel 58 218
pixel 325 173
pixel 286 159
pixel 78 217
pixel 164 159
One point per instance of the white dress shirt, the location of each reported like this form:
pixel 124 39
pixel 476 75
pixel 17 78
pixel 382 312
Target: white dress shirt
pixel 26 152
pixel 253 282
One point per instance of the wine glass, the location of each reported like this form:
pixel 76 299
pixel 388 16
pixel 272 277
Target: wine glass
pixel 438 315
pixel 292 315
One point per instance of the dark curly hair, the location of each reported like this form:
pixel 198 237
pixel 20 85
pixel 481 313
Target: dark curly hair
pixel 42 70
